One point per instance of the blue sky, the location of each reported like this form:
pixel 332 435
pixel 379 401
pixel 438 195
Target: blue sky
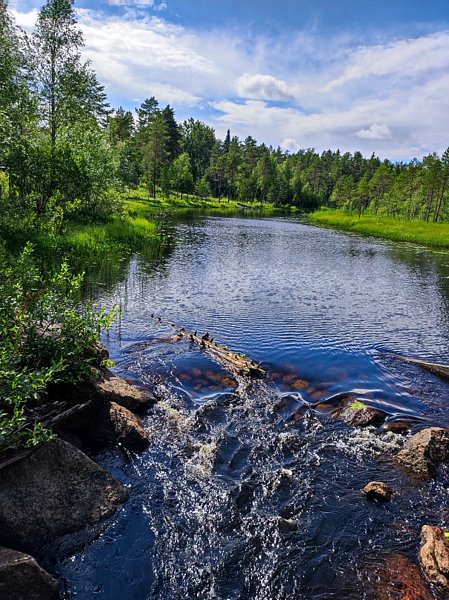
pixel 345 74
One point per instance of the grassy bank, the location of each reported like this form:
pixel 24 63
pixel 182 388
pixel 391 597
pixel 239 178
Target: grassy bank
pixel 419 232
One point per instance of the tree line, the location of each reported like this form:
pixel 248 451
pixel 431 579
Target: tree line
pixel 64 153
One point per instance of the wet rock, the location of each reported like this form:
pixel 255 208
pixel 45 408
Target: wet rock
pixel 21 578
pixel 378 490
pixel 53 491
pixel 300 384
pixel 424 451
pixel 110 388
pixel 362 416
pixel 399 427
pixel 116 423
pixel 400 579
pixel 434 556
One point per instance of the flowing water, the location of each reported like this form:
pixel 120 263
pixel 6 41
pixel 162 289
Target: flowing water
pixel 252 490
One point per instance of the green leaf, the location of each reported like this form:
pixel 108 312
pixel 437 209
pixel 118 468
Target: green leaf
pixel 357 405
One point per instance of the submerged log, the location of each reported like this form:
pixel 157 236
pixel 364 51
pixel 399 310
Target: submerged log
pixel 236 363
pixel 434 368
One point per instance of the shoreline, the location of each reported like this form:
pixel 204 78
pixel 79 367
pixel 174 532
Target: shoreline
pixel 431 235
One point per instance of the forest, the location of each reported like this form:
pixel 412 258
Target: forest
pixel 66 155
pixel 69 163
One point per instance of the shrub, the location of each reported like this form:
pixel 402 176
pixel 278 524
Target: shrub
pixel 45 336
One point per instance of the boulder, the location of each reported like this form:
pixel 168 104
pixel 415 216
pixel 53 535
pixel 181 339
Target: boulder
pixel 21 578
pixel 424 451
pixel 109 388
pixel 378 490
pixel 361 417
pixel 117 424
pixel 434 556
pixel 55 490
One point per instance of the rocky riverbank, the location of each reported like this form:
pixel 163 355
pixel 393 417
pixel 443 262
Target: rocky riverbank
pixel 56 489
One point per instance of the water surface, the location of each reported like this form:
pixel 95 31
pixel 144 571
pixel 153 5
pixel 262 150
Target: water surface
pixel 249 491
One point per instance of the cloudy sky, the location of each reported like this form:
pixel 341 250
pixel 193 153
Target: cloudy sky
pixel 349 74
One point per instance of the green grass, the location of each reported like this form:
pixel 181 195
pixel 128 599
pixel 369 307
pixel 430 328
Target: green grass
pixel 138 203
pixel 420 232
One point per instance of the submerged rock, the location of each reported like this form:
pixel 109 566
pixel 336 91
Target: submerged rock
pixel 117 424
pixel 424 451
pixel 400 579
pixel 54 491
pixel 21 578
pixel 378 490
pixel 434 555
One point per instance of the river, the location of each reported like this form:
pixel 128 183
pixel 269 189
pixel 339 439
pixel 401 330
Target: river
pixel 250 491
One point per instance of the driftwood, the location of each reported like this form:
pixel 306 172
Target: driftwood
pixel 236 363
pixel 434 368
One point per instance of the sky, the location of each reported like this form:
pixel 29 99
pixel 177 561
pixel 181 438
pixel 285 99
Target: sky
pixel 349 74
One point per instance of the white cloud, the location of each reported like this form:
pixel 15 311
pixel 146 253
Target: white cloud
pixel 263 87
pixel 290 144
pixel 402 58
pixel 390 98
pixel 375 132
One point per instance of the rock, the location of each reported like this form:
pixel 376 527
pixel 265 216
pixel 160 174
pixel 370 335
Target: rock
pixel 117 424
pixel 21 578
pixel 361 417
pixel 110 388
pixel 54 491
pixel 434 555
pixel 378 490
pixel 399 427
pixel 400 579
pixel 424 451
pixel 300 384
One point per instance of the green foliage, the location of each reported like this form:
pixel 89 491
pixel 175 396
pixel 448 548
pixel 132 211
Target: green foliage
pixel 45 336
pixel 357 405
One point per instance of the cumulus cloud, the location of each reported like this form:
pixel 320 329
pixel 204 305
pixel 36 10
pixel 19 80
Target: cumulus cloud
pixel 375 132
pixel 263 87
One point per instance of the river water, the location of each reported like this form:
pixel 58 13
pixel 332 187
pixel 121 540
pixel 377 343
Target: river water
pixel 252 491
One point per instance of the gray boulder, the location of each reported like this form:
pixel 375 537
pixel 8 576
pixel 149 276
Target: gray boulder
pixel 55 490
pixel 424 451
pixel 21 578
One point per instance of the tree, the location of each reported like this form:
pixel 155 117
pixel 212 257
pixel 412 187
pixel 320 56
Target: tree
pixel 202 189
pixel 174 134
pixel 198 141
pixel 147 111
pixel 156 151
pixel 182 174
pixel 70 95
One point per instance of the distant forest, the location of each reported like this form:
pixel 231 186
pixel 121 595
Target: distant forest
pixel 66 154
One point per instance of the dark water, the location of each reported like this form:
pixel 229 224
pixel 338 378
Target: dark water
pixel 248 491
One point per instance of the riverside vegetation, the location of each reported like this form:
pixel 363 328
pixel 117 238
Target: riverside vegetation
pixel 79 179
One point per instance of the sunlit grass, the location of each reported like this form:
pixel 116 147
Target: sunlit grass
pixel 420 232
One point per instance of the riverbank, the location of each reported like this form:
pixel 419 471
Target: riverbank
pixel 435 235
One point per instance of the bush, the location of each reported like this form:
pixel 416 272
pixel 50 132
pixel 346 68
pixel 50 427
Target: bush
pixel 45 336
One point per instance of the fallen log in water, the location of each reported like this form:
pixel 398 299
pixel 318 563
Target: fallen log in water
pixel 434 368
pixel 236 363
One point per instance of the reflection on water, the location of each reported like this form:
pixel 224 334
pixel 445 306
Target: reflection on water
pixel 249 492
